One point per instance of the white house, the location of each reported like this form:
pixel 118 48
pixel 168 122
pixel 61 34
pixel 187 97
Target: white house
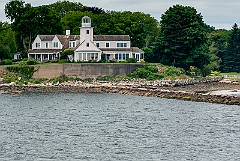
pixel 86 46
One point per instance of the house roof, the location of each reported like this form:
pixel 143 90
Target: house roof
pixel 137 50
pixel 115 49
pixel 46 37
pixel 111 38
pixel 132 49
pixel 44 51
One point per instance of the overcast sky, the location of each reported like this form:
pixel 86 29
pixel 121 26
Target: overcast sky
pixel 217 13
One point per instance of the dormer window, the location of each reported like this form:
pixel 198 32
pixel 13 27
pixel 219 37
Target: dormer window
pixel 55 44
pixel 72 44
pixel 38 45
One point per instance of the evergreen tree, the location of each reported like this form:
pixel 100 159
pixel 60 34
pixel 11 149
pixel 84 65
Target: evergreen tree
pixel 231 59
pixel 182 40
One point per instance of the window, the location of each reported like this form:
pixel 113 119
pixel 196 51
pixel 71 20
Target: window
pixel 121 45
pixel 87 31
pixel 127 55
pixel 107 45
pixel 86 20
pixel 120 56
pixel 124 56
pixel 46 44
pixel 87 44
pixel 37 45
pixel 55 44
pixel 116 56
pixel 97 44
pixel 72 44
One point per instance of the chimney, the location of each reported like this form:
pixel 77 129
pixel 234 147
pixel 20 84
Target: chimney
pixel 68 31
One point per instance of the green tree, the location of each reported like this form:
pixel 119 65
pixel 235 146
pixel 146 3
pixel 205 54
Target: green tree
pixel 28 22
pixel 68 52
pixel 218 40
pixel 182 40
pixel 231 58
pixel 7 41
pixel 63 7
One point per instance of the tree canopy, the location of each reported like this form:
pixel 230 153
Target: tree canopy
pixel 182 40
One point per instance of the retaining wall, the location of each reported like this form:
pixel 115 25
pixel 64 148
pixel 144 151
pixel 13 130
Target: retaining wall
pixel 84 70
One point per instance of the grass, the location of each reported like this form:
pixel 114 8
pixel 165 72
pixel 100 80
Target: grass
pixel 231 74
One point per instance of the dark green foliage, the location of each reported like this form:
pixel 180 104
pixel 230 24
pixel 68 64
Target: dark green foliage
pixel 7 42
pixel 31 61
pixel 24 71
pixel 63 61
pixel 173 71
pixel 131 60
pixel 231 57
pixel 28 22
pixel 68 52
pixel 7 62
pixel 182 40
pixel 151 68
pixel 148 72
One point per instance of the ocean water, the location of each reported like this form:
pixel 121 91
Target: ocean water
pixel 85 126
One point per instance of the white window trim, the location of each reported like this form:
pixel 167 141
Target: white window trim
pixel 122 44
pixel 38 46
pixel 108 44
pixel 55 44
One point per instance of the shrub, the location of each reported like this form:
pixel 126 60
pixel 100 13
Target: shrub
pixel 173 71
pixel 131 60
pixel 31 61
pixel 63 61
pixel 151 68
pixel 7 62
pixel 140 73
pixel 24 71
pixel 23 63
pixel 67 52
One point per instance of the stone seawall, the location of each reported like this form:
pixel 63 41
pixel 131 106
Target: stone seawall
pixel 84 70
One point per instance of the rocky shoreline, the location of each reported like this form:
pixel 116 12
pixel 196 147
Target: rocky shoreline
pixel 191 90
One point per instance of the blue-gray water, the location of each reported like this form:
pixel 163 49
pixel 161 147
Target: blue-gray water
pixel 73 126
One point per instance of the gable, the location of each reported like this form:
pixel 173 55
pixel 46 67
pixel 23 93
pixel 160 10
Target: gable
pixel 83 48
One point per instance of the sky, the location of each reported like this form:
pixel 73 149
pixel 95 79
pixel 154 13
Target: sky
pixel 221 14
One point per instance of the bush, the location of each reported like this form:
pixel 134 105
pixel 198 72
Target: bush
pixel 131 60
pixel 151 68
pixel 63 61
pixel 23 63
pixel 67 52
pixel 7 62
pixel 31 61
pixel 24 71
pixel 173 71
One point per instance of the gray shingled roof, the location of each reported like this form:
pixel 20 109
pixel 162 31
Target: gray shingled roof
pixel 111 38
pixel 46 37
pixel 44 50
pixel 137 50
